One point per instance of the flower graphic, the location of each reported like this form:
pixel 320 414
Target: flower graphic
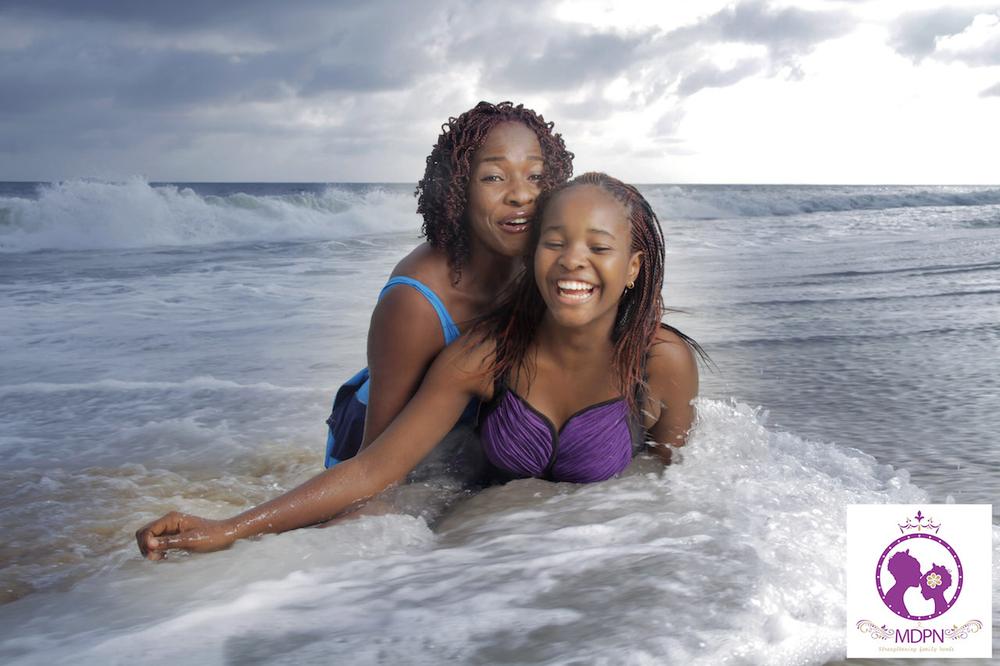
pixel 933 580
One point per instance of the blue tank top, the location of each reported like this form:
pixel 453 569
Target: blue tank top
pixel 347 417
pixel 448 326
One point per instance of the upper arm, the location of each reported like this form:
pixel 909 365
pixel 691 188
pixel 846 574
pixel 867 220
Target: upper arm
pixel 673 383
pixel 455 377
pixel 403 339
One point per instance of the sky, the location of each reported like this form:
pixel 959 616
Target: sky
pixel 754 91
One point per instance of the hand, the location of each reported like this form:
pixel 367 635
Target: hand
pixel 183 531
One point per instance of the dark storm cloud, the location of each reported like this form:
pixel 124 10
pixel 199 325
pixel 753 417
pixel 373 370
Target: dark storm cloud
pixel 145 54
pixel 168 15
pixel 117 75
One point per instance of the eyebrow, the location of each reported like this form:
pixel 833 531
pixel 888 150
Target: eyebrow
pixel 592 230
pixel 503 158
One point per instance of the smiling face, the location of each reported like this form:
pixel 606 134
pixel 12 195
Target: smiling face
pixel 584 257
pixel 504 182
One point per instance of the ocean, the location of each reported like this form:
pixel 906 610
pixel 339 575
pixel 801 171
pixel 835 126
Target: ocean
pixel 176 346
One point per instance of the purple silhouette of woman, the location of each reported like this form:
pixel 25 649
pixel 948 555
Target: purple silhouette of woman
pixel 933 585
pixel 905 569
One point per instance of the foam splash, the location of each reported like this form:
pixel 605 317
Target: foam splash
pixel 91 214
pixel 718 202
pixel 735 554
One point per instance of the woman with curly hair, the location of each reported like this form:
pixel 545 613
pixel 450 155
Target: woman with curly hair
pixel 477 198
pixel 570 367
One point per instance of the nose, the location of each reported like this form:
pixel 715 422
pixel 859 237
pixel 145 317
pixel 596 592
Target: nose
pixel 522 192
pixel 572 257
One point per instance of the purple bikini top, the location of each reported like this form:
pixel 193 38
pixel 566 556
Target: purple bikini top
pixel 594 444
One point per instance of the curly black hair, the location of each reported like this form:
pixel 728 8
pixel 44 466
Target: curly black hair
pixel 443 191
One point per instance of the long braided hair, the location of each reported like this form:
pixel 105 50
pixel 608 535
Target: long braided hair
pixel 442 194
pixel 514 323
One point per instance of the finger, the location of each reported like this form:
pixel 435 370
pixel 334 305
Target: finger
pixel 140 540
pixel 145 536
pixel 151 543
pixel 171 523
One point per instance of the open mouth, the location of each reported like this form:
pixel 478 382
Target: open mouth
pixel 575 290
pixel 516 224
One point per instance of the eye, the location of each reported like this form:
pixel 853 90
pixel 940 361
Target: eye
pixel 552 244
pixel 536 177
pixel 600 249
pixel 491 178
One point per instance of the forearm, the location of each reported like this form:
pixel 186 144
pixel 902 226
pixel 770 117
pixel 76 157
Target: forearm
pixel 404 443
pixel 317 500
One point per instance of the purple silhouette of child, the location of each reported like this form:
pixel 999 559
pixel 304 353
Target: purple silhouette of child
pixel 933 585
pixel 905 569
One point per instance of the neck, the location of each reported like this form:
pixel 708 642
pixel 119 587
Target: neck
pixel 486 271
pixel 576 346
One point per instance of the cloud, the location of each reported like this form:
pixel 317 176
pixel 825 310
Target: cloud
pixel 179 14
pixel 992 91
pixel 708 75
pixel 785 34
pixel 978 45
pixel 915 35
pixel 967 35
pixel 141 84
pixel 567 60
pixel 668 123
pixel 786 30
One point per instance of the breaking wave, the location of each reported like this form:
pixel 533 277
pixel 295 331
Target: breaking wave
pixel 89 214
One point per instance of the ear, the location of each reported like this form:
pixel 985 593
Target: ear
pixel 634 264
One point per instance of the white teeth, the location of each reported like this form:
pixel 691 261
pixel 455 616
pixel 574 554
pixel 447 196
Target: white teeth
pixel 575 290
pixel 516 220
pixel 573 285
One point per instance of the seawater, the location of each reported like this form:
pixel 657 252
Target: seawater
pixel 176 346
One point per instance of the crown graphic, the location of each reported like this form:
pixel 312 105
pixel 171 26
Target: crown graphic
pixel 922 524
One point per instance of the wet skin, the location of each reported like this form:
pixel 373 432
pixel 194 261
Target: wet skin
pixel 505 177
pixel 572 351
pixel 503 185
pixel 504 182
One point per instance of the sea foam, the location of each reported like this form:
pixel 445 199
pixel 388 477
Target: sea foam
pixel 717 202
pixel 736 554
pixel 91 214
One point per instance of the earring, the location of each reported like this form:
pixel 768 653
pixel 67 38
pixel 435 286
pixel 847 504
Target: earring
pixel 630 285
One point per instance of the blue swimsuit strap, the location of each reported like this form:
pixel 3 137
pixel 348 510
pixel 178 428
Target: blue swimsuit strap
pixel 451 331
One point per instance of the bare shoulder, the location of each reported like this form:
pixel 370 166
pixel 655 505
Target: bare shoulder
pixel 404 315
pixel 671 362
pixel 428 265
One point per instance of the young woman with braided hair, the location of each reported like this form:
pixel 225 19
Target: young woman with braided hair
pixel 570 367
